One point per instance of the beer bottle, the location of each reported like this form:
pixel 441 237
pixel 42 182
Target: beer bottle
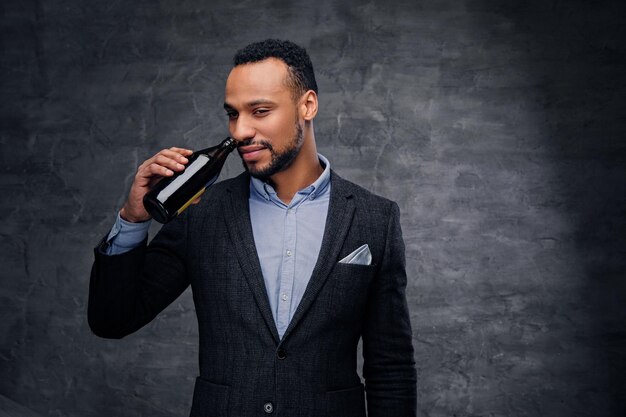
pixel 170 196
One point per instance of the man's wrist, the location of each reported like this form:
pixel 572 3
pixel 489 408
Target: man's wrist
pixel 124 214
pixel 125 236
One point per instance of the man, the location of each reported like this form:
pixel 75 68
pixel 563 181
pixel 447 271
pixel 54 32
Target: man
pixel 289 264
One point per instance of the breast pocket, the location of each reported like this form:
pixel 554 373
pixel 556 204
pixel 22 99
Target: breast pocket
pixel 350 288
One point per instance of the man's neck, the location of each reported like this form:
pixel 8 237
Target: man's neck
pixel 304 170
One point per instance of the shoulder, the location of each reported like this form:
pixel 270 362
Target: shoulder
pixel 238 185
pixel 362 197
pixel 212 200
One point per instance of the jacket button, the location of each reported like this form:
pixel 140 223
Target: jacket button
pixel 268 407
pixel 281 354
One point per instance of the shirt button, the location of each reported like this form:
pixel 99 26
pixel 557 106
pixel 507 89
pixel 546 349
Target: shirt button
pixel 284 297
pixel 268 408
pixel 281 354
pixel 288 253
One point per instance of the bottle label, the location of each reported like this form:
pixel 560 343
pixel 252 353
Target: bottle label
pixel 188 203
pixel 194 167
pixel 198 194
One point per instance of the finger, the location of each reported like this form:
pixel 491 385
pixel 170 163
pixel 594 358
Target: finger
pixel 182 151
pixel 156 169
pixel 166 162
pixel 174 155
pixel 170 159
pixel 148 168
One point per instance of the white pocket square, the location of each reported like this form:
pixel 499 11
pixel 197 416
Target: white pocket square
pixel 361 256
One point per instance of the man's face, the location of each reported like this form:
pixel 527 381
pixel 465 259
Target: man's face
pixel 263 116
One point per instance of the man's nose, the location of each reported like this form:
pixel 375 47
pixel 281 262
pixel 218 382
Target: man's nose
pixel 241 129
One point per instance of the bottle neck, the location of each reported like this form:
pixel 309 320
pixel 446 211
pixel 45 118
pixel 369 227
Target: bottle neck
pixel 229 143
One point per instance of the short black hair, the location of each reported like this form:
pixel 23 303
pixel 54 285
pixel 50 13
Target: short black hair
pixel 301 75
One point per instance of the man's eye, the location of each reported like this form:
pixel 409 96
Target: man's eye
pixel 261 112
pixel 231 115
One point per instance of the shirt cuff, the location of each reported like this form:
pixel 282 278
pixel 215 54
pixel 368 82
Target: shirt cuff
pixel 125 236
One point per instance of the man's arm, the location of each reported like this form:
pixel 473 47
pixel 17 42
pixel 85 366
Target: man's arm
pixel 128 290
pixel 129 287
pixel 389 366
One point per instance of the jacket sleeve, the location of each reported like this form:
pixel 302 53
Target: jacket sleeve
pixel 389 366
pixel 128 290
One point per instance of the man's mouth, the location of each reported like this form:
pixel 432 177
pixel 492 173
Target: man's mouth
pixel 251 152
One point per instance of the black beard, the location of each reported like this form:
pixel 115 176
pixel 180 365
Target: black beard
pixel 280 161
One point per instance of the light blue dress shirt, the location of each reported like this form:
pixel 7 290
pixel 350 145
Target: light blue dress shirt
pixel 288 238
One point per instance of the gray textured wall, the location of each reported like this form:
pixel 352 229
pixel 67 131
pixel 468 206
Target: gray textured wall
pixel 499 129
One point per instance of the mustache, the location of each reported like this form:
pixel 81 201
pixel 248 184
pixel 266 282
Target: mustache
pixel 258 142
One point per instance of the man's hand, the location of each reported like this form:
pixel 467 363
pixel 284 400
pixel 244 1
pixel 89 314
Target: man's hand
pixel 163 164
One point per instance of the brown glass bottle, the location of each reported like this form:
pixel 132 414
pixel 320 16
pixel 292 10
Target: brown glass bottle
pixel 170 196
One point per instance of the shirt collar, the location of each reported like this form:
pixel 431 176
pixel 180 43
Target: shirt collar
pixel 319 186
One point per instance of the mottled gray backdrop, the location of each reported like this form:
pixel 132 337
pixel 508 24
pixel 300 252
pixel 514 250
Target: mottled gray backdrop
pixel 498 127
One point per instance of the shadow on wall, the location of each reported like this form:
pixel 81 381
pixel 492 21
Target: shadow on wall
pixel 578 57
pixel 9 408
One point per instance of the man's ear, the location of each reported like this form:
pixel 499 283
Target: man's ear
pixel 308 105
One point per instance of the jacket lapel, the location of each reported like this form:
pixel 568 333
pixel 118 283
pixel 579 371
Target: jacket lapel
pixel 338 221
pixel 237 215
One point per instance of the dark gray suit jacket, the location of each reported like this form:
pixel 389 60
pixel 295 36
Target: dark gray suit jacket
pixel 245 369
